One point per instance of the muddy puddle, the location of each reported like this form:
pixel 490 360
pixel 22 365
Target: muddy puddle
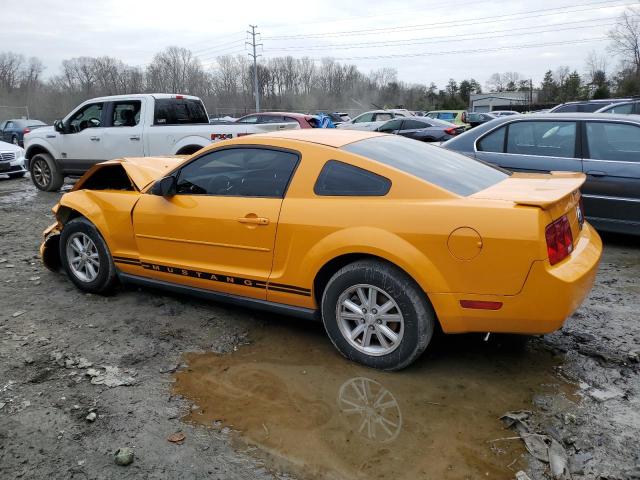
pixel 312 413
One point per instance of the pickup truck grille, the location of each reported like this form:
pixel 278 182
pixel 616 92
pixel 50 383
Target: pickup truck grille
pixel 7 156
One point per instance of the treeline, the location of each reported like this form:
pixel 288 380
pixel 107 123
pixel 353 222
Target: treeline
pixel 299 84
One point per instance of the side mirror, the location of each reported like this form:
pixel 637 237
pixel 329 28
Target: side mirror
pixel 166 187
pixel 58 126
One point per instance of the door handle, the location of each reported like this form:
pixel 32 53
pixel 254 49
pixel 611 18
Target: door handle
pixel 596 173
pixel 135 137
pixel 254 220
pixel 94 139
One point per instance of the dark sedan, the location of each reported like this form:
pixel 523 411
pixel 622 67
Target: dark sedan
pixel 606 147
pixel 14 130
pixel 421 128
pixel 475 118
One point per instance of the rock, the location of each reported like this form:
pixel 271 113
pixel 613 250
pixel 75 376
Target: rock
pixel 124 456
pixel 84 363
pixel 34 279
pixel 91 417
pixel 111 377
pixel 522 476
pixel 177 437
pixel 603 395
pixel 18 313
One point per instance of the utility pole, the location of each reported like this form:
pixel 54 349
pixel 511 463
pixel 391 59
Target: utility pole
pixel 255 56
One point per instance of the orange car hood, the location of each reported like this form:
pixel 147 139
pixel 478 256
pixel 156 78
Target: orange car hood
pixel 143 171
pixel 540 190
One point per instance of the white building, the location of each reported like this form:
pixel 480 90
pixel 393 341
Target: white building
pixel 486 102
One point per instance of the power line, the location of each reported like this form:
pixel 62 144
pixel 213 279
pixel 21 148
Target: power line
pixel 463 22
pixel 444 38
pixel 219 46
pixel 457 52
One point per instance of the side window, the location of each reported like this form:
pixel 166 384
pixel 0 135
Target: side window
pixel 365 117
pixel 414 125
pixel 572 107
pixel 271 119
pixel 494 142
pixel 249 119
pixel 432 115
pixel 547 139
pixel 9 125
pixel 390 126
pixel 126 114
pixel 613 141
pixel 447 116
pixel 179 111
pixel 90 116
pixel 341 179
pixel 383 117
pixel 239 172
pixel 626 108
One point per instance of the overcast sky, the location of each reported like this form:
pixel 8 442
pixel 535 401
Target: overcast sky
pixel 425 41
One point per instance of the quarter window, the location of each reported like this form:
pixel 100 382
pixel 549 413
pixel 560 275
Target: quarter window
pixel 239 172
pixel 546 139
pixel 341 179
pixel 494 142
pixel 613 141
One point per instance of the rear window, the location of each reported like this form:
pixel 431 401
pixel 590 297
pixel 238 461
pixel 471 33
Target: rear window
pixel 449 170
pixel 174 111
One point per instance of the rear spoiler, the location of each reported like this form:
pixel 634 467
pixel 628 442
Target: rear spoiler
pixel 534 189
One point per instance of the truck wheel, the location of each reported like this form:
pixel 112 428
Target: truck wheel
pixel 85 257
pixel 15 140
pixel 45 174
pixel 375 314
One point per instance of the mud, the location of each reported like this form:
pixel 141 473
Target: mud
pixel 264 397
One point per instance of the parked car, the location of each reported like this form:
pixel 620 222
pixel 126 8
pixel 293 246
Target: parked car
pixel 624 108
pixel 372 120
pixel 14 130
pixel 444 239
pixel 304 121
pixel 503 113
pixel 475 118
pixel 459 117
pixel 587 106
pixel 606 147
pixel 139 125
pixel 339 118
pixel 421 128
pixel 12 160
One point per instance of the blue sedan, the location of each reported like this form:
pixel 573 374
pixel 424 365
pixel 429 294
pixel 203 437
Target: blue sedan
pixel 13 131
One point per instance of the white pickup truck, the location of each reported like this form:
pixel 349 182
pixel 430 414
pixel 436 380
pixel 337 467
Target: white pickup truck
pixel 140 125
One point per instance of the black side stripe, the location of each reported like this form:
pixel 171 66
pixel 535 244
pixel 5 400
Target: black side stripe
pixel 215 277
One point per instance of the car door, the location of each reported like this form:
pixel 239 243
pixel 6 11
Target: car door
pixel 218 231
pixel 612 164
pixel 533 146
pixel 414 129
pixel 122 134
pixel 80 146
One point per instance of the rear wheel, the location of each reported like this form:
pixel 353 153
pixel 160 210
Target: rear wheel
pixel 375 314
pixel 45 174
pixel 86 257
pixel 15 140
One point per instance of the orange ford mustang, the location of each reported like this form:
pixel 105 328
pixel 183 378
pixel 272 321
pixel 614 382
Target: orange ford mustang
pixel 381 236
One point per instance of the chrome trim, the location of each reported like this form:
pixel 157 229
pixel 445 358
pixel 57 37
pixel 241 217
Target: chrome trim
pixel 208 244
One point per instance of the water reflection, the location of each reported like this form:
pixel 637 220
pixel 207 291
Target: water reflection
pixel 310 411
pixel 370 409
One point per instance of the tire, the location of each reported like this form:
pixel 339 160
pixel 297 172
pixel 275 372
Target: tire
pixel 413 328
pixel 96 273
pixel 45 174
pixel 15 140
pixel 17 175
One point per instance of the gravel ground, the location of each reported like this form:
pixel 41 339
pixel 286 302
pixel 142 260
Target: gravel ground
pixel 55 343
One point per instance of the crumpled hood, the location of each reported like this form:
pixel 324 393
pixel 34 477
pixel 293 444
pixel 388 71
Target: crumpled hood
pixel 142 171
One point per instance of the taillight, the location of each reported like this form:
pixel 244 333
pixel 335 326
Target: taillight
pixel 559 240
pixel 451 131
pixel 26 130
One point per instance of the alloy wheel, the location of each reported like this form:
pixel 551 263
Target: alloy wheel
pixel 370 319
pixel 83 257
pixel 41 172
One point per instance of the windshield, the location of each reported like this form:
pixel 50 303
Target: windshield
pixel 449 170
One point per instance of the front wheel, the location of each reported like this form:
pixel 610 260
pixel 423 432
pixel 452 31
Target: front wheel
pixel 375 314
pixel 86 258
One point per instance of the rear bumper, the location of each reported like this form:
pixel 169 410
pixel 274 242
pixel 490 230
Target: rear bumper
pixel 549 295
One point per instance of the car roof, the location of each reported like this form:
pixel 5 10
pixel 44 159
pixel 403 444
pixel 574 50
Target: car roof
pixel 136 96
pixel 330 137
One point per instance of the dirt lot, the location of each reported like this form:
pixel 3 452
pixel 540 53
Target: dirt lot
pixel 261 397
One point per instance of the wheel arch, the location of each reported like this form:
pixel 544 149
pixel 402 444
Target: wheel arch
pixel 34 150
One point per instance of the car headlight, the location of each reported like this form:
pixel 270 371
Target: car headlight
pixel 20 154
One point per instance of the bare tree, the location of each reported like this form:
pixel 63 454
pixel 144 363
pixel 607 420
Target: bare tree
pixel 10 65
pixel 625 38
pixel 496 83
